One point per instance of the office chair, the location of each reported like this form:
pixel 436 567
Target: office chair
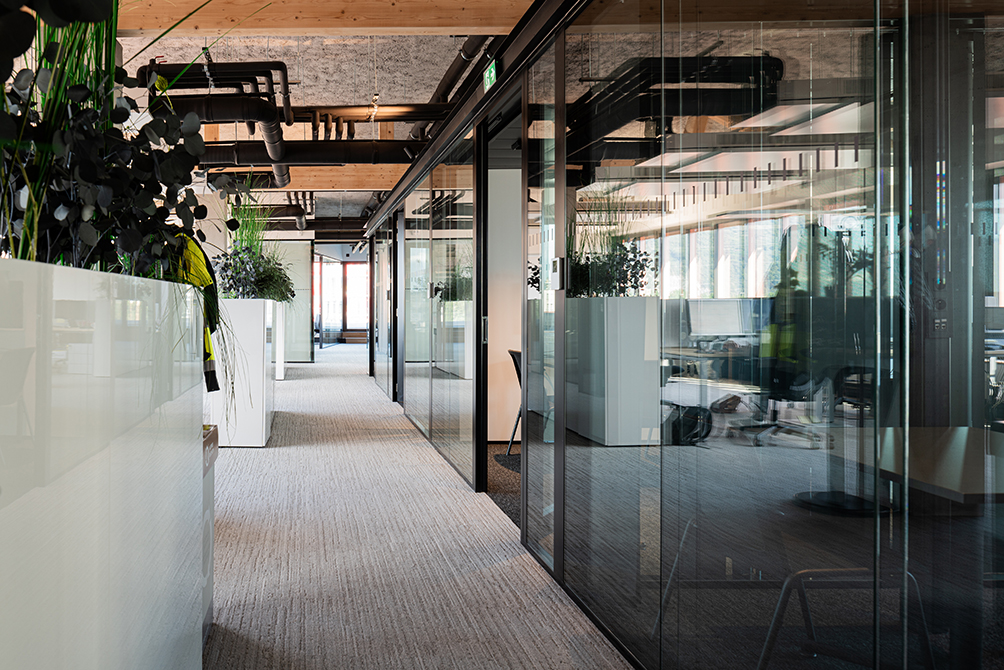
pixel 517 363
pixel 789 372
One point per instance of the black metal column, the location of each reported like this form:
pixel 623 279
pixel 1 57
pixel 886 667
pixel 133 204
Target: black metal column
pixel 480 343
pixel 371 339
pixel 399 315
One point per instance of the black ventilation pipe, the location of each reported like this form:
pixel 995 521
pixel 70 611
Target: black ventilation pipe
pixel 308 152
pixel 230 108
pixel 453 74
pixel 223 75
pixel 295 212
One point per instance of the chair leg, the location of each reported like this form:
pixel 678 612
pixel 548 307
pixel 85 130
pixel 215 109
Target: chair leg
pixel 775 623
pixel 514 426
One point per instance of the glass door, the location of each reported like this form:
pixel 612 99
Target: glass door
pixel 542 249
pixel 332 291
pixel 417 309
pixel 383 335
pixel 452 210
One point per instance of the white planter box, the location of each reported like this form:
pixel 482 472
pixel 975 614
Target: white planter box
pixel 245 418
pixel 100 471
pixel 612 395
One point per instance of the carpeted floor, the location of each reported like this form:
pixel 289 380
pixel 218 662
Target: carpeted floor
pixel 348 542
pixel 503 478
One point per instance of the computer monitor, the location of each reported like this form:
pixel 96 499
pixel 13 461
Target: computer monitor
pixel 725 317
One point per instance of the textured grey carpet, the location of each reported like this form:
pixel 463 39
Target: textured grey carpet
pixel 504 479
pixel 348 542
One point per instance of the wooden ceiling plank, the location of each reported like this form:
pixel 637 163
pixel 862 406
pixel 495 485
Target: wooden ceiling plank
pixel 323 17
pixel 340 177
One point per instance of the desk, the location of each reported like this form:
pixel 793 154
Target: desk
pixel 691 392
pixel 953 472
pixel 730 361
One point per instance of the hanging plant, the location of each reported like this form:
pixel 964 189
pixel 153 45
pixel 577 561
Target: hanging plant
pixel 79 184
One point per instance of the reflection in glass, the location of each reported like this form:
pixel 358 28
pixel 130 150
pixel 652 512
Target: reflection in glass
pixel 452 212
pixel 417 308
pixel 538 419
pixel 383 341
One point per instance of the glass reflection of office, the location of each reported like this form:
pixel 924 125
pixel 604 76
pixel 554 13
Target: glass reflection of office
pixel 745 215
pixel 770 214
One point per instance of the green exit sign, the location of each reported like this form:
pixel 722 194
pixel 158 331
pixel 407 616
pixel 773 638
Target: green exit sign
pixel 489 76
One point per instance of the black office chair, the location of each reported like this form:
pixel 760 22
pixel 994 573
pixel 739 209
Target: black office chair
pixel 799 377
pixel 517 361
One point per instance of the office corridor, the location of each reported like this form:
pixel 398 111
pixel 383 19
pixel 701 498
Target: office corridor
pixel 349 542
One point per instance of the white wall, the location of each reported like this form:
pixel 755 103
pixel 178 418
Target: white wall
pixel 505 295
pixel 101 485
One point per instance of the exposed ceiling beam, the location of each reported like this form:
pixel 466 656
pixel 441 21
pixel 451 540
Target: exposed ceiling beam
pixel 401 113
pixel 354 225
pixel 313 152
pixel 340 177
pixel 335 236
pixel 322 17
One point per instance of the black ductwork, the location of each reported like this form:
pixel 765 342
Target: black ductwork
pixel 467 52
pixel 334 152
pixel 230 108
pixel 224 76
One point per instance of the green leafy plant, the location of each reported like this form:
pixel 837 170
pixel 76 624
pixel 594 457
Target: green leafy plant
pixel 252 268
pixel 244 273
pixel 79 186
pixel 601 262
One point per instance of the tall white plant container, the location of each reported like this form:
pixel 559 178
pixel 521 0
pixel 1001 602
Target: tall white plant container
pixel 100 471
pixel 612 397
pixel 244 416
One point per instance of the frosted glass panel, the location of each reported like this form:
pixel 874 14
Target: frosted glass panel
pixel 100 471
pixel 299 257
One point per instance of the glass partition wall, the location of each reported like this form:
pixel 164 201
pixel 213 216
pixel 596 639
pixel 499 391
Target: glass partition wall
pixel 763 329
pixel 383 303
pixel 763 359
pixel 439 294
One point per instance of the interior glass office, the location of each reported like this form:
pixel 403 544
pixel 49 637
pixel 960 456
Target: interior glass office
pixel 763 329
pixel 383 310
pixel 766 353
pixel 439 315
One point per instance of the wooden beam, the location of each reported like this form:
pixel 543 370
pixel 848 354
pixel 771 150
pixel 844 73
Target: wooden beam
pixel 386 130
pixel 340 177
pixel 459 177
pixel 211 132
pixel 322 17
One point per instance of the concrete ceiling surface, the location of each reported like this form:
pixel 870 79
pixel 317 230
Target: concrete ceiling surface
pixel 324 71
